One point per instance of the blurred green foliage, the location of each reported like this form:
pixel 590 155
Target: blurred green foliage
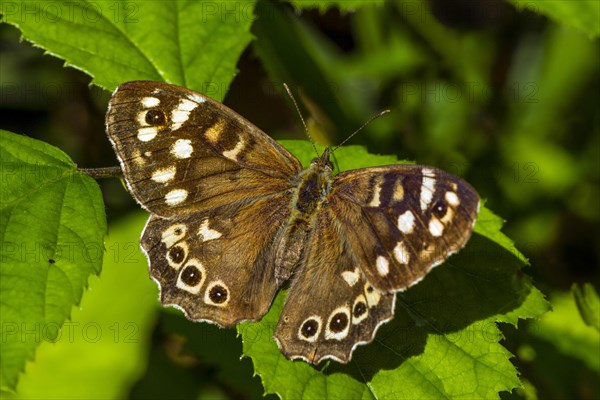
pixel 503 97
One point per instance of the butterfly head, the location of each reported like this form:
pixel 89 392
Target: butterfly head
pixel 313 184
pixel 323 162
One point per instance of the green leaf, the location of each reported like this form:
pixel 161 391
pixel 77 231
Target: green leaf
pixel 581 14
pixel 568 332
pixel 51 229
pixel 489 225
pixel 189 43
pixel 443 340
pixel 103 349
pixel 588 304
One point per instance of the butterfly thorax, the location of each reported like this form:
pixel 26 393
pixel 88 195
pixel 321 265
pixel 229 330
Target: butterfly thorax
pixel 310 188
pixel 313 185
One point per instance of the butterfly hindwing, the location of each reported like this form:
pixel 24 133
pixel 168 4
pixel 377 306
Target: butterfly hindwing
pixel 330 307
pixel 183 153
pixel 403 220
pixel 206 265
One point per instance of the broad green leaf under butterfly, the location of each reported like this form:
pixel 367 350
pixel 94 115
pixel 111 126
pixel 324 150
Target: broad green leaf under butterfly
pixel 443 341
pixel 52 230
pixel 191 43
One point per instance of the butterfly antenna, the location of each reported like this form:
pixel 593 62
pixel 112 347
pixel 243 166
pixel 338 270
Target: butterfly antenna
pixel 373 118
pixel 301 117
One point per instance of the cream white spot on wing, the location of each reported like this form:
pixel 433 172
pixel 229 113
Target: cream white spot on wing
pixel 356 319
pixel 182 113
pixel 427 188
pixel 187 105
pixel 448 216
pixel 195 267
pixel 398 194
pixel 176 196
pixel 141 118
pixel 383 265
pixel 335 330
pixel 406 222
pixel 401 253
pixel 214 132
pixel 373 295
pixel 452 199
pixel 206 233
pixel 173 234
pixel 233 153
pixel 436 228
pixel 182 148
pixel 148 154
pixel 147 134
pixel 136 158
pixel 150 101
pixel 351 277
pixel 376 201
pixel 310 333
pixel 164 175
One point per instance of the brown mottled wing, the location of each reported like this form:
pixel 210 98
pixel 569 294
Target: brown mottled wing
pixel 403 220
pixel 217 266
pixel 184 153
pixel 331 307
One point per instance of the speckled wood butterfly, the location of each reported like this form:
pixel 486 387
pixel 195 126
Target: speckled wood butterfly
pixel 235 217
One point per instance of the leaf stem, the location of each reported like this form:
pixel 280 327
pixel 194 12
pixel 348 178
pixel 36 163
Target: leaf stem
pixel 103 173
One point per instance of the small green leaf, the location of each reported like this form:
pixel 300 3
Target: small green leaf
pixel 52 227
pixel 489 224
pixel 443 340
pixel 581 14
pixel 566 330
pixel 588 304
pixel 189 43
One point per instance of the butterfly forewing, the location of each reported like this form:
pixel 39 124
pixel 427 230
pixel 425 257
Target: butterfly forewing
pixel 403 220
pixel 183 153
